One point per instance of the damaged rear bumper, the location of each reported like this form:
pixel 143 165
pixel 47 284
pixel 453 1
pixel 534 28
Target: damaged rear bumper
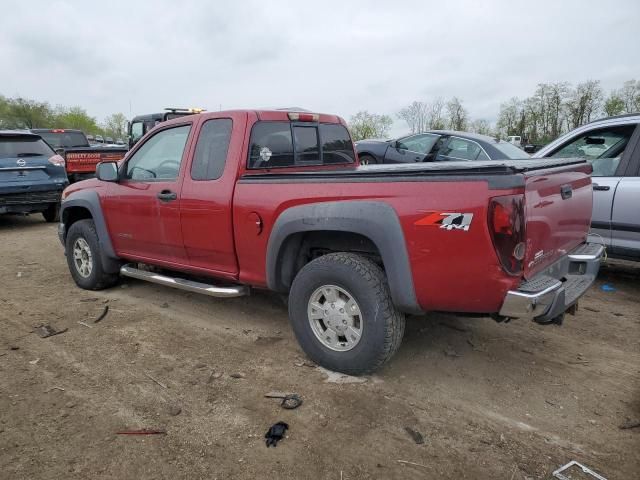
pixel 555 290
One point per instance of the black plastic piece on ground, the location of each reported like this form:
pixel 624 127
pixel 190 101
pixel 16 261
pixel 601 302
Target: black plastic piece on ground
pixel 275 434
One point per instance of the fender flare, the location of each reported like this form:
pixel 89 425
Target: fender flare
pixel 89 200
pixel 376 221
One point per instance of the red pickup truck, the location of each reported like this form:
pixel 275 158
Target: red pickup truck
pixel 219 203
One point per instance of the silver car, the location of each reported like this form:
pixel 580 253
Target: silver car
pixel 612 146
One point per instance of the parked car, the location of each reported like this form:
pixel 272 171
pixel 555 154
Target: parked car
pixel 612 146
pixel 223 202
pixel 515 140
pixel 436 146
pixel 81 157
pixel 32 175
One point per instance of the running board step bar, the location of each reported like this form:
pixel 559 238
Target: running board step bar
pixel 182 284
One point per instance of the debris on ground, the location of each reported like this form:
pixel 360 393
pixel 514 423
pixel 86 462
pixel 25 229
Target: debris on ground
pixel 84 324
pixel 214 376
pixel 558 473
pixel 54 388
pixel 304 363
pixel 142 432
pixel 275 434
pixel 407 462
pixel 156 380
pixel 237 375
pixel 608 288
pixel 337 377
pixel 415 435
pixel 34 362
pixel 629 424
pixel 290 401
pixel 175 410
pixel 90 299
pixel 102 315
pixel 48 331
pixel 14 347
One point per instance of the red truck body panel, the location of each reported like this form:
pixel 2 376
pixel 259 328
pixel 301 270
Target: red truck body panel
pixel 222 227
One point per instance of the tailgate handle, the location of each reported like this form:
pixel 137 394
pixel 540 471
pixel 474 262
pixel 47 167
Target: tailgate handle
pixel 603 188
pixel 566 191
pixel 167 195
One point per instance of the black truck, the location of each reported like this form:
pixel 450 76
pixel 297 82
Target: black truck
pixel 141 124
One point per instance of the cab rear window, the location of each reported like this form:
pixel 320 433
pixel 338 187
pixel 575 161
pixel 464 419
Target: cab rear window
pixel 23 146
pixel 289 144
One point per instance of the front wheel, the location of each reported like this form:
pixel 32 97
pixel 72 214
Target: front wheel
pixel 341 312
pixel 84 257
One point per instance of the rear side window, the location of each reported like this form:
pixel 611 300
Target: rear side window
pixel 336 144
pixel 286 144
pixel 23 146
pixel 211 151
pixel 461 149
pixel 64 139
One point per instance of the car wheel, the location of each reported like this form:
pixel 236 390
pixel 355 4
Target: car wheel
pixel 367 160
pixel 341 312
pixel 84 257
pixel 52 213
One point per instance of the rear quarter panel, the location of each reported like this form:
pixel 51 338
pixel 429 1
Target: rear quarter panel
pixel 452 270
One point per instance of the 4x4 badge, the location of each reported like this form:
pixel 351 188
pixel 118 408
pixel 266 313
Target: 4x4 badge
pixel 447 220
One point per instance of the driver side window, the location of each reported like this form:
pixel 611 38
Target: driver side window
pixel 418 143
pixel 160 157
pixel 601 148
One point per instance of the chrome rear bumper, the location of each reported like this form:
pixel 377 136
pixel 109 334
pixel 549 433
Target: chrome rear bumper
pixel 558 288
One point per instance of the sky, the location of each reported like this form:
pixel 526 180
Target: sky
pixel 340 57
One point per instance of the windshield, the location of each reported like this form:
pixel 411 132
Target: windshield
pixel 64 139
pixel 23 146
pixel 511 151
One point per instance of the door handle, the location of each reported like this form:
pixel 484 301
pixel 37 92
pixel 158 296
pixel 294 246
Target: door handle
pixel 603 188
pixel 167 196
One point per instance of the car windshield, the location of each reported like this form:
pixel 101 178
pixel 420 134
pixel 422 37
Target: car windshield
pixel 64 139
pixel 23 146
pixel 511 151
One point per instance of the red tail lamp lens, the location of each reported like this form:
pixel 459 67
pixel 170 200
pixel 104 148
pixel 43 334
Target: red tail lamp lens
pixel 507 226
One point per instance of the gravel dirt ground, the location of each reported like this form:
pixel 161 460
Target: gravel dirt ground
pixel 491 400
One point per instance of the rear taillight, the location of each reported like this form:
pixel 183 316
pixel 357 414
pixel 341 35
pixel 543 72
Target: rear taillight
pixel 57 160
pixel 507 227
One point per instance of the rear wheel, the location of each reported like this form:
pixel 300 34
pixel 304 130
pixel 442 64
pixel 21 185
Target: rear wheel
pixel 367 160
pixel 52 213
pixel 84 257
pixel 341 312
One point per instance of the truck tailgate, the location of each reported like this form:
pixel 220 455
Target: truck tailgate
pixel 558 204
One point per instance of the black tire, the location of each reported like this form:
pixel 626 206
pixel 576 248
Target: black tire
pixel 52 213
pixel 366 159
pixel 383 324
pixel 97 279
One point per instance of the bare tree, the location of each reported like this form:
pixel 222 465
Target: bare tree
pixel 457 114
pixel 584 102
pixel 480 126
pixel 435 114
pixel 509 115
pixel 630 95
pixel 415 115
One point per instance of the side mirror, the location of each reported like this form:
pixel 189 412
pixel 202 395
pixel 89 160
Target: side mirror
pixel 398 144
pixel 60 151
pixel 107 172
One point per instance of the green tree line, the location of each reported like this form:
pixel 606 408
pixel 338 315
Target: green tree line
pixel 23 113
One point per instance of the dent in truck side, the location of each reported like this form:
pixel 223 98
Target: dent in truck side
pixel 376 221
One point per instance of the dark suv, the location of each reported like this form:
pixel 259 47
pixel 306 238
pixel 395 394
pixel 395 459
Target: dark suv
pixel 32 175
